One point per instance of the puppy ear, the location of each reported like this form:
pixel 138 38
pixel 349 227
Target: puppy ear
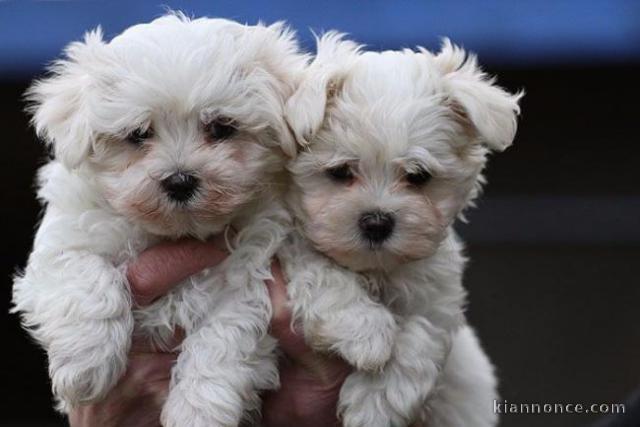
pixel 290 65
pixel 58 103
pixel 481 106
pixel 274 50
pixel 322 80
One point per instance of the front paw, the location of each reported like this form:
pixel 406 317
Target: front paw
pixel 364 402
pixel 368 345
pixel 84 380
pixel 201 404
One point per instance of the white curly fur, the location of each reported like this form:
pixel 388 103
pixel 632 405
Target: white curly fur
pixel 393 309
pixel 104 204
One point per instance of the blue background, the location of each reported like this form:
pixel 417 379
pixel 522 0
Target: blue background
pixel 509 32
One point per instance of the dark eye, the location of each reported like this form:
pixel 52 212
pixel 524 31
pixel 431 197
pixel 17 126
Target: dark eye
pixel 340 173
pixel 418 177
pixel 220 129
pixel 139 136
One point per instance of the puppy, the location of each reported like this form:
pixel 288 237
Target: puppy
pixel 392 146
pixel 173 128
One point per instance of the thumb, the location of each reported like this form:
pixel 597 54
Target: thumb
pixel 158 269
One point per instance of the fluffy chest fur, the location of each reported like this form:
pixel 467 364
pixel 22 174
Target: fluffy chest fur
pixel 431 287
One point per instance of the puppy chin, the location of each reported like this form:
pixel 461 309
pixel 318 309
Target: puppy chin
pixel 365 260
pixel 410 241
pixel 385 258
pixel 184 227
pixel 172 222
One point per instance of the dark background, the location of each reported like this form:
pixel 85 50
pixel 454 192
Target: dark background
pixel 555 241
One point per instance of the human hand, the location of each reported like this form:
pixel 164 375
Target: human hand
pixel 310 382
pixel 137 399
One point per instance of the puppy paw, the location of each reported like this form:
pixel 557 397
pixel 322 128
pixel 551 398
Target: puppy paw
pixel 364 403
pixel 369 347
pixel 201 405
pixel 84 380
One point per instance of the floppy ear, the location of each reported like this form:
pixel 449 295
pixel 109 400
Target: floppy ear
pixel 305 109
pixel 287 64
pixel 58 103
pixel 486 109
pixel 273 50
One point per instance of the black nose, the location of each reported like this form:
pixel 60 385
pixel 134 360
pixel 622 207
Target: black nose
pixel 376 226
pixel 180 186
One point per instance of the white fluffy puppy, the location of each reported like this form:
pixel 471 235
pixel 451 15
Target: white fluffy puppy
pixel 173 128
pixel 392 149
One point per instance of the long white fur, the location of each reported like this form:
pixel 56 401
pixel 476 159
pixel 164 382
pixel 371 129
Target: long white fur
pixel 104 205
pixel 394 311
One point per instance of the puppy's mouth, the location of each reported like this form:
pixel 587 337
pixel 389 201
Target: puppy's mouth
pixel 196 215
pixel 184 206
pixel 375 244
pixel 374 248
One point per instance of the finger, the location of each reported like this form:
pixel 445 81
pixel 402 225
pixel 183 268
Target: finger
pixel 163 266
pixel 281 317
pixel 159 390
pixel 150 367
pixel 143 344
pixel 144 369
pixel 291 342
pixel 320 369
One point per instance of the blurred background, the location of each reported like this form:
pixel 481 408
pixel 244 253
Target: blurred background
pixel 553 279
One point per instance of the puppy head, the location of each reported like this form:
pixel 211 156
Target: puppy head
pixel 178 122
pixel 392 146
